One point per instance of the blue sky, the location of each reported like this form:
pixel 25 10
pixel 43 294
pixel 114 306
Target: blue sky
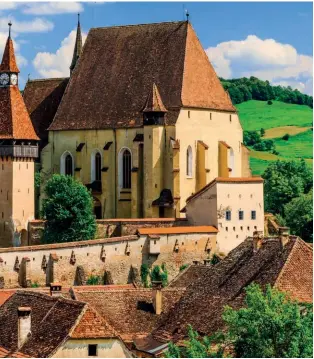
pixel 269 40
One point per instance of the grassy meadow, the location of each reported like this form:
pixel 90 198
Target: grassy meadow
pixel 279 119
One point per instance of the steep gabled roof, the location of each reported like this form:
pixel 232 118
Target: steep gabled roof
pixel 42 98
pixel 188 276
pixel 223 284
pixel 118 67
pixel 8 63
pixel 15 122
pixel 78 45
pixel 154 102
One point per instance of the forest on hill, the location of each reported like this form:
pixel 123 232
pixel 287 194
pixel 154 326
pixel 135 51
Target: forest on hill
pixel 246 89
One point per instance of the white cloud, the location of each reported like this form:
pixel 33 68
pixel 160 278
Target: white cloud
pixel 21 61
pixel 36 25
pixel 265 59
pixel 53 8
pixel 57 64
pixel 8 5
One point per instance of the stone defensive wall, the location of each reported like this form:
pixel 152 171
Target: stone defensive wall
pixel 108 227
pixel 116 260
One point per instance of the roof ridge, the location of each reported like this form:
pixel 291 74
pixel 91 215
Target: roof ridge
pixel 47 79
pixel 143 24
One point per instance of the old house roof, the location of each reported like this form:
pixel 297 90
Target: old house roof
pixel 118 67
pixel 177 230
pixel 188 276
pixel 53 319
pixel 78 45
pixel 223 284
pixel 7 354
pixel 130 311
pixel 42 98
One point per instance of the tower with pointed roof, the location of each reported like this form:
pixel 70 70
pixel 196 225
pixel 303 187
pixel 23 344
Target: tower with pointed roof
pixel 78 45
pixel 18 150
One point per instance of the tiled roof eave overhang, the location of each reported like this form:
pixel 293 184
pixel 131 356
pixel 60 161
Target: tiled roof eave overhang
pixel 189 107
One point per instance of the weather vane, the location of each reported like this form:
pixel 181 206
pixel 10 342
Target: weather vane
pixel 10 24
pixel 187 14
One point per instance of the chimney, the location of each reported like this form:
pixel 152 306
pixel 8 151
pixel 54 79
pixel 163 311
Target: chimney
pixel 284 235
pixel 157 296
pixel 24 324
pixel 257 240
pixel 55 289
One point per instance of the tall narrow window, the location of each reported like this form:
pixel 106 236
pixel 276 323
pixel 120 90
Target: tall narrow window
pixel 126 169
pixel 231 159
pixel 68 166
pixel 189 162
pixel 241 215
pixel 98 167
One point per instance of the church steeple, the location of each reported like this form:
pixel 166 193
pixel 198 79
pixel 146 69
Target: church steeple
pixel 78 45
pixel 8 67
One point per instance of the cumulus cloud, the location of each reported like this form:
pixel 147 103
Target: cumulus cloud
pixel 53 8
pixel 36 25
pixel 21 61
pixel 266 59
pixel 57 64
pixel 8 5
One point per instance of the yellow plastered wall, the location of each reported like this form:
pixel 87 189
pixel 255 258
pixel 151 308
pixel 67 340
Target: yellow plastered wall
pixel 223 160
pixel 200 166
pixel 195 125
pixel 246 170
pixel 17 201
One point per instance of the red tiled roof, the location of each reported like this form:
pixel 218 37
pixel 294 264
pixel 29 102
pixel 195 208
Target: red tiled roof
pixel 15 122
pixel 226 180
pixel 6 354
pixel 108 91
pixel 42 98
pixel 5 294
pixel 8 63
pixel 178 230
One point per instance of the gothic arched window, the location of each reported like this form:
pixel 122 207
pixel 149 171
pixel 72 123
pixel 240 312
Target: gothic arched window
pixel 96 166
pixel 189 161
pixel 125 166
pixel 67 164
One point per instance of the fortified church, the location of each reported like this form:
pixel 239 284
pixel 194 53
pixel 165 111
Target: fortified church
pixel 143 121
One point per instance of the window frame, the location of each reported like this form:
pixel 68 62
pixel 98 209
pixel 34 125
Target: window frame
pixel 63 163
pixel 228 218
pixel 88 350
pixel 189 162
pixel 241 214
pixel 94 173
pixel 123 181
pixel 253 219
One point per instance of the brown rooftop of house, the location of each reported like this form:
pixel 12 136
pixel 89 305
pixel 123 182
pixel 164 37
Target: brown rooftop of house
pixel 15 122
pixel 42 98
pixel 50 322
pixel 118 67
pixel 255 179
pixel 130 311
pixel 188 276
pixel 177 230
pixel 288 267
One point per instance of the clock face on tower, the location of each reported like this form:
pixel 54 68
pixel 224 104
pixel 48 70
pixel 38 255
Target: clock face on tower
pixel 4 79
pixel 13 79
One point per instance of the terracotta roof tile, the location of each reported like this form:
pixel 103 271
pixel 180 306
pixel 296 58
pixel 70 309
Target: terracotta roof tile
pixel 223 284
pixel 42 98
pixel 178 230
pixel 130 312
pixel 8 63
pixel 108 91
pixel 15 122
pixel 7 354
pixel 154 102
pixel 5 294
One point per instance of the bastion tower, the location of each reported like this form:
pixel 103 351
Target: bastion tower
pixel 18 150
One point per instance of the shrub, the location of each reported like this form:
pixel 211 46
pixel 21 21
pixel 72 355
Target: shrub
pixel 94 280
pixel 144 274
pixel 183 267
pixel 215 259
pixel 269 102
pixel 262 132
pixel 68 210
pixel 286 137
pixel 35 285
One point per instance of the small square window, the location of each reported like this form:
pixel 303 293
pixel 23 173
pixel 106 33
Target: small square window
pixel 253 214
pixel 92 350
pixel 228 215
pixel 241 215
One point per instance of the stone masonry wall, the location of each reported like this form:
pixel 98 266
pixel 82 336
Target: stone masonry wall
pixel 109 227
pixel 121 257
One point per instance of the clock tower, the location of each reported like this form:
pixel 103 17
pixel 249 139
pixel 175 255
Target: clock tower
pixel 18 150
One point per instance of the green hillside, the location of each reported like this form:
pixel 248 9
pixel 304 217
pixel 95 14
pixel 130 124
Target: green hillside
pixel 278 119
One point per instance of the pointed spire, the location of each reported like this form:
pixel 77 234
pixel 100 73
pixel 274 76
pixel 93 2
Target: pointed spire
pixel 78 45
pixel 154 102
pixel 8 63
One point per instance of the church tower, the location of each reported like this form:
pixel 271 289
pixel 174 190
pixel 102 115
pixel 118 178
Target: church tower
pixel 18 150
pixel 78 45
